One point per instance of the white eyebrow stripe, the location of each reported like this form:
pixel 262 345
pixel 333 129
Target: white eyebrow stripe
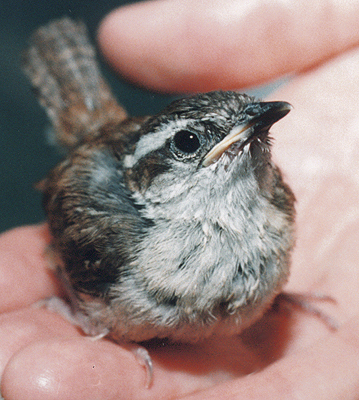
pixel 153 141
pixel 214 116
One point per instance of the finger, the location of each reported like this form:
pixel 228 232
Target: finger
pixel 19 329
pixel 44 357
pixel 82 369
pixel 326 370
pixel 184 45
pixel 24 270
pixel 70 368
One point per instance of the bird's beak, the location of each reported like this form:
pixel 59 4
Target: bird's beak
pixel 261 116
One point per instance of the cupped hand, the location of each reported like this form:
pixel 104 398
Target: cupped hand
pixel 203 45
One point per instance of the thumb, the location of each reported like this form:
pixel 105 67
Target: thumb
pixel 204 45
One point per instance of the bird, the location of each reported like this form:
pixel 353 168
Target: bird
pixel 177 225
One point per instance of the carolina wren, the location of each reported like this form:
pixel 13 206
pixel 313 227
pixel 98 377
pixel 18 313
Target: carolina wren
pixel 177 225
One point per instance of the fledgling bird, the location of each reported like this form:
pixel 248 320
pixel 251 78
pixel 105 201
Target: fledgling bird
pixel 174 226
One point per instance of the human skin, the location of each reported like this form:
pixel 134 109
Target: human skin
pixel 293 353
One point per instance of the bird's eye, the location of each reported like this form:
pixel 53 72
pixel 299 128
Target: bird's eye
pixel 186 141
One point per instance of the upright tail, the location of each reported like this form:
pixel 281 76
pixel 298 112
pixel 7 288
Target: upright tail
pixel 61 65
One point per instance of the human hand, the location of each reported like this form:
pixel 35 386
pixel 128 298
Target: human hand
pixel 294 354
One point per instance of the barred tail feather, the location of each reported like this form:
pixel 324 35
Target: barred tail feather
pixel 61 65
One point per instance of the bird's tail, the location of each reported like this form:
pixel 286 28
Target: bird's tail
pixel 61 65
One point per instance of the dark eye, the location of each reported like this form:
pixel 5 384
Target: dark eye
pixel 186 141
